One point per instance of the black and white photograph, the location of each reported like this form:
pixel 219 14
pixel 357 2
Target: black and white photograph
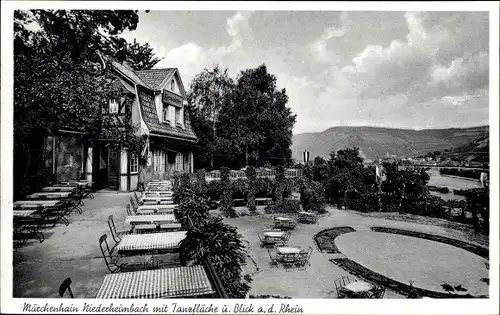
pixel 258 152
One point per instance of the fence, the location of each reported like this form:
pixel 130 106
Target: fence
pixel 237 174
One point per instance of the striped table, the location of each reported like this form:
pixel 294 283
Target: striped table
pixel 156 209
pixel 155 284
pixel 158 200
pixel 50 195
pixel 59 189
pixel 30 204
pixel 133 243
pixel 150 219
pixel 23 213
pixel 288 250
pixel 166 194
pixel 274 234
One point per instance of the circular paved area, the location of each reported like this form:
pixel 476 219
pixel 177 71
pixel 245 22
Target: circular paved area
pixel 402 258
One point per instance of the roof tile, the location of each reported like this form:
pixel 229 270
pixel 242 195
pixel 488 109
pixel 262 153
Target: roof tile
pixel 150 116
pixel 154 77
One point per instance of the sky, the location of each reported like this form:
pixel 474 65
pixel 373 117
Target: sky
pixel 341 68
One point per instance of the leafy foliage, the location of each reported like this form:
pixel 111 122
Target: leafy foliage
pixel 286 206
pixel 139 56
pixel 227 194
pixel 251 175
pixel 240 123
pixel 312 196
pixel 221 244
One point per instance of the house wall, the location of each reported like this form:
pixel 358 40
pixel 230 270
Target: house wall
pixel 68 157
pixel 183 163
pixel 123 170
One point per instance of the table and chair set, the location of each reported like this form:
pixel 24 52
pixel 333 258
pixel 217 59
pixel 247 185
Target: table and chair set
pixel 155 235
pixel 347 289
pixel 277 238
pixel 53 204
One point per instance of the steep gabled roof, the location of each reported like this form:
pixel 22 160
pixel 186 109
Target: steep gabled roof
pixel 128 73
pixel 150 117
pixel 155 77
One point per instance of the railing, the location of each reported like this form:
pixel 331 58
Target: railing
pixel 260 173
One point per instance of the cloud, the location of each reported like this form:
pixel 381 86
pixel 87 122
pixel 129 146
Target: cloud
pixel 191 58
pixel 429 78
pixel 319 49
pixel 431 72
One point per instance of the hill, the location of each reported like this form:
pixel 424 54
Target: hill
pixel 376 142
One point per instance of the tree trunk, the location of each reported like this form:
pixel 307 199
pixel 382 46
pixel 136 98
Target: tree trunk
pixel 212 157
pixel 246 155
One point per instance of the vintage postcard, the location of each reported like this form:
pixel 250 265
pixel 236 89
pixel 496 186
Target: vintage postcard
pixel 250 157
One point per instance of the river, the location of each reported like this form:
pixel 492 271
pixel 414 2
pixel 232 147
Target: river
pixel 437 179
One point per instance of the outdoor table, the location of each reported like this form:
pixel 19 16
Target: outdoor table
pixel 23 213
pixel 307 216
pixel 175 282
pixel 59 189
pixel 167 194
pixel 287 253
pixel 357 289
pixel 158 200
pixel 82 184
pixel 158 188
pixel 150 219
pixel 156 208
pixel 288 250
pixel 282 219
pixel 30 204
pixel 133 244
pixel 170 226
pixel 274 234
pixel 50 195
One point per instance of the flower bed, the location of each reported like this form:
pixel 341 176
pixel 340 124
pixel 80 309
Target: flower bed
pixel 325 240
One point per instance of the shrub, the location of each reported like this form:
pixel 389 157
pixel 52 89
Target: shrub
pixel 201 183
pixel 251 193
pixel 286 206
pixel 223 246
pixel 312 196
pixel 192 207
pixel 227 194
pixel 214 190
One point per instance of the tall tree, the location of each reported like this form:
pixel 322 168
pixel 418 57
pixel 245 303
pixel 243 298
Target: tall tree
pixel 210 92
pixel 262 122
pixel 139 56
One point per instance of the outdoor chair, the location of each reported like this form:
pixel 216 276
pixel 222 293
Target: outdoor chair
pixel 301 261
pixel 65 285
pixel 134 205
pixel 340 283
pixel 274 261
pixel 139 228
pixel 129 210
pixel 377 293
pixel 288 261
pixel 111 262
pixel 309 254
pixel 115 234
pixel 265 242
pixel 137 199
pixel 55 214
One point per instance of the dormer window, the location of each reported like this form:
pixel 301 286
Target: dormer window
pixel 166 117
pixel 178 120
pixel 113 106
pixel 172 85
